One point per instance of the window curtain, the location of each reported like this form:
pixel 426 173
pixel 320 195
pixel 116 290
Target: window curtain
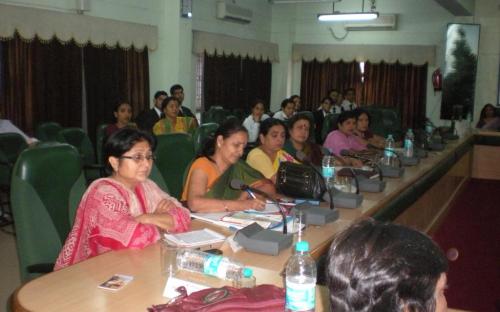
pixel 317 78
pixel 42 82
pixel 402 86
pixel 233 82
pixel 113 75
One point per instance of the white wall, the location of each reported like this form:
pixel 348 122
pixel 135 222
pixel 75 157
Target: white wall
pixel 419 22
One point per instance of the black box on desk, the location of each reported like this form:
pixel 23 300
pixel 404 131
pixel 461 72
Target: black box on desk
pixel 392 172
pixel 370 185
pixel 316 215
pixel 410 161
pixel 344 199
pixel 257 239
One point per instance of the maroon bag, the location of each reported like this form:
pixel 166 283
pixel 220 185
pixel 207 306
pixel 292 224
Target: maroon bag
pixel 259 298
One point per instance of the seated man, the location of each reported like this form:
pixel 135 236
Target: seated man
pixel 385 267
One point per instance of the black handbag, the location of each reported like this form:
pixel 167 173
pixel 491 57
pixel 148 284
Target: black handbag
pixel 299 181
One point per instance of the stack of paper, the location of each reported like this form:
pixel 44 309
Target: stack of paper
pixel 195 238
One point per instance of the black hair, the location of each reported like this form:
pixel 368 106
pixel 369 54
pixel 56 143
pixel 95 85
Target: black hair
pixel 227 129
pixel 483 111
pixel 359 111
pixel 291 122
pixel 326 98
pixel 374 266
pixel 267 124
pixel 165 102
pixel 257 101
pixel 349 89
pixel 346 115
pixel 332 90
pixel 175 87
pixel 285 102
pixel 123 141
pixel 160 93
pixel 119 103
pixel 293 97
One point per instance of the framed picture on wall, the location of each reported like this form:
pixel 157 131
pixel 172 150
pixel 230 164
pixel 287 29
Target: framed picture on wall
pixel 459 76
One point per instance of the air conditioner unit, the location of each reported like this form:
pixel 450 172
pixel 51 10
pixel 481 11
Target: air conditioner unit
pixel 233 13
pixel 383 22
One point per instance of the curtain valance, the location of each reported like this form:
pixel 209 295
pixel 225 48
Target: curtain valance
pixel 84 29
pixel 414 54
pixel 222 44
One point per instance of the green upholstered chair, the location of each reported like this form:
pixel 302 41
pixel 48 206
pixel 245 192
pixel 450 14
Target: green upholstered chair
pixel 215 114
pixel 384 121
pixel 99 142
pixel 47 184
pixel 173 153
pixel 232 118
pixel 157 178
pixel 79 139
pixel 11 145
pixel 47 131
pixel 201 133
pixel 329 124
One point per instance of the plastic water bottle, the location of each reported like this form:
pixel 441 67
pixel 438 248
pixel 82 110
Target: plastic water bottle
pixel 301 280
pixel 389 151
pixel 214 265
pixel 328 170
pixel 408 146
pixel 247 280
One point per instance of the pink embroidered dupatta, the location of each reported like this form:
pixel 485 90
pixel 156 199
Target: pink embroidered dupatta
pixel 105 220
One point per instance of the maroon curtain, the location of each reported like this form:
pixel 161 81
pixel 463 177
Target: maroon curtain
pixel 112 75
pixel 256 81
pixel 42 82
pixel 402 86
pixel 317 78
pixel 233 82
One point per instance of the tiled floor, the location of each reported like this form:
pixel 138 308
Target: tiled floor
pixel 9 269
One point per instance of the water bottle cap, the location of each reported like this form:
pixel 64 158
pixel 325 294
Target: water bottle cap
pixel 247 272
pixel 302 246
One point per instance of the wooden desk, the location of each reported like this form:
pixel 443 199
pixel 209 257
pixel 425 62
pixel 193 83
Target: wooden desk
pixel 75 288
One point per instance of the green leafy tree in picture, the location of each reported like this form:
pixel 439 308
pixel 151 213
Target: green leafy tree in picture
pixel 459 83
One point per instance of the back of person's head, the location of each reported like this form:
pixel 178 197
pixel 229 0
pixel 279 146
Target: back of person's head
pixel 123 141
pixel 267 124
pixel 175 87
pixel 375 266
pixel 227 129
pixel 160 93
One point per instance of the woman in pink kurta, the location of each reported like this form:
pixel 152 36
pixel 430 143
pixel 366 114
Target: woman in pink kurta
pixel 125 210
pixel 344 138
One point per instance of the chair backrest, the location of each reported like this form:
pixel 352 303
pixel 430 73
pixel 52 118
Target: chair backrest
pixel 47 184
pixel 47 131
pixel 329 124
pixel 99 142
pixel 216 114
pixel 79 139
pixel 157 178
pixel 384 121
pixel 201 133
pixel 11 145
pixel 173 153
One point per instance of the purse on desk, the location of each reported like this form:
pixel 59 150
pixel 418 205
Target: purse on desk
pixel 259 298
pixel 299 181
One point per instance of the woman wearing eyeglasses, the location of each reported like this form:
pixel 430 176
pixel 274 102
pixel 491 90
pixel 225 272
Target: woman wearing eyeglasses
pixel 126 209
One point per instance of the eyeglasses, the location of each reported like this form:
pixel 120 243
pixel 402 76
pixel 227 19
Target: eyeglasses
pixel 138 158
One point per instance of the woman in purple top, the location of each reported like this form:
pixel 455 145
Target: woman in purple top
pixel 344 138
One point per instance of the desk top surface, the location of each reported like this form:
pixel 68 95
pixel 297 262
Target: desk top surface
pixel 75 288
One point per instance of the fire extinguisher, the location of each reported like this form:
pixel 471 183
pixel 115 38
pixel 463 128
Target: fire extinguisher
pixel 437 80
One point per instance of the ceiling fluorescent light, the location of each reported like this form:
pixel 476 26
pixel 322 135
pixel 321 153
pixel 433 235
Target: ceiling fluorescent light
pixel 338 17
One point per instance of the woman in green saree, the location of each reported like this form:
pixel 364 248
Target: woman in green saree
pixel 207 187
